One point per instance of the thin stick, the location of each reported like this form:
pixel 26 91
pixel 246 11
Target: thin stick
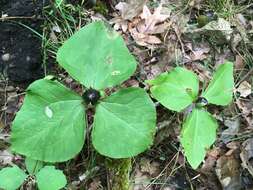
pixel 15 17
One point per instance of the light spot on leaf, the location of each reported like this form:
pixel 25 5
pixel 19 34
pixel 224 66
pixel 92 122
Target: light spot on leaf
pixel 49 77
pixel 109 59
pixel 48 112
pixel 115 73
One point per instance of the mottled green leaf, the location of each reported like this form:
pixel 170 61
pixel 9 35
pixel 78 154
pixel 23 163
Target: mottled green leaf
pixel 124 124
pixel 97 57
pixel 197 135
pixel 49 178
pixel 33 166
pixel 220 89
pixel 11 178
pixel 175 90
pixel 50 125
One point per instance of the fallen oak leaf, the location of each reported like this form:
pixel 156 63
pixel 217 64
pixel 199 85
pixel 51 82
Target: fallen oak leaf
pixel 228 172
pixel 246 155
pixel 158 29
pixel 197 55
pixel 119 24
pixel 246 107
pixel 244 89
pixel 144 39
pixel 149 25
pixel 130 9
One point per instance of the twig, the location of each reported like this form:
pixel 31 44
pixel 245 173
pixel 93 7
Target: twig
pixel 16 17
pixel 245 77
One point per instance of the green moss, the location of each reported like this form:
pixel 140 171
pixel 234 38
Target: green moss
pixel 119 171
pixel 101 8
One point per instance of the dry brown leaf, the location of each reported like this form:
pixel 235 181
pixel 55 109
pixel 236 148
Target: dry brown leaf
pixel 158 29
pixel 128 12
pixel 247 155
pixel 239 62
pixel 119 24
pixel 197 53
pixel 142 28
pixel 244 89
pixel 6 157
pixel 233 147
pixel 233 126
pixel 95 184
pixel 227 170
pixel 151 20
pixel 211 158
pixel 130 9
pixel 144 39
pixel 246 107
pixel 150 168
pixel 141 181
pixel 144 172
pixel 149 25
pixel 203 73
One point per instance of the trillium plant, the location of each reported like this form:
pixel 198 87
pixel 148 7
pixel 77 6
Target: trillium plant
pixel 179 89
pixel 51 124
pixel 46 177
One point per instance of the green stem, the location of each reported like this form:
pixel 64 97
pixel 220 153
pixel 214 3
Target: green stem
pixel 119 172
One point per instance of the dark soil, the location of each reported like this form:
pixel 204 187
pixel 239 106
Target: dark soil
pixel 20 47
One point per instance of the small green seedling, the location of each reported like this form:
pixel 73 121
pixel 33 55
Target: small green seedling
pixel 51 125
pixel 178 89
pixel 46 177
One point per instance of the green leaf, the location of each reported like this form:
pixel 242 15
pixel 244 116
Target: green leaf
pixel 50 178
pixel 175 90
pixel 220 89
pixel 33 166
pixel 124 124
pixel 11 178
pixel 50 125
pixel 97 57
pixel 197 135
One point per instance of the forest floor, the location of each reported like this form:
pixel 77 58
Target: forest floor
pixel 161 35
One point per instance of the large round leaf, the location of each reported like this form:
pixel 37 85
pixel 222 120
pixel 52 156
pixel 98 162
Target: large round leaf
pixel 11 178
pixel 124 124
pixel 50 178
pixel 220 89
pixel 175 90
pixel 50 125
pixel 198 134
pixel 97 57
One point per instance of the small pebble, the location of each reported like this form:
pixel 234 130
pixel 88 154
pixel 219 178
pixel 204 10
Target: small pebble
pixel 28 58
pixel 6 57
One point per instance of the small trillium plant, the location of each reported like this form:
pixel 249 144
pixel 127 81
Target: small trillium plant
pixel 46 177
pixel 51 124
pixel 178 89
